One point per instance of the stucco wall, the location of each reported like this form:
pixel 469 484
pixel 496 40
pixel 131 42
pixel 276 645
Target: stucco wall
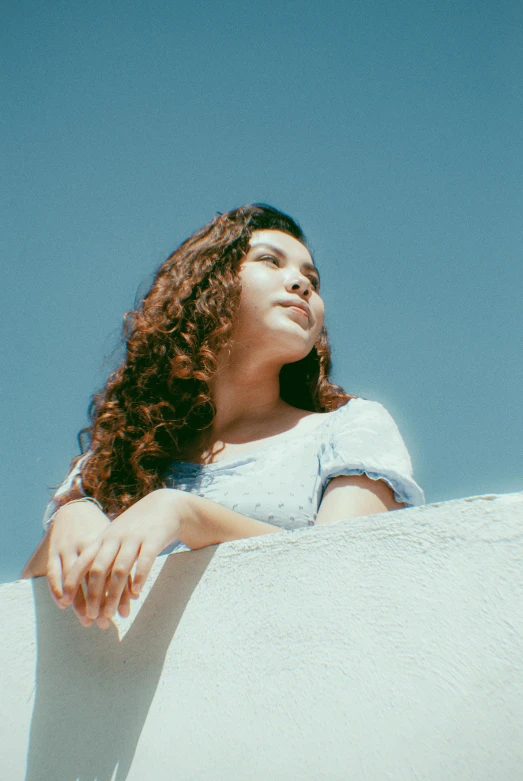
pixel 387 647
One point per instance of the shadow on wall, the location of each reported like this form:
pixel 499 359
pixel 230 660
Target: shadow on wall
pixel 93 690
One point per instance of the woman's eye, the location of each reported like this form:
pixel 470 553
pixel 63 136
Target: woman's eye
pixel 270 259
pixel 315 282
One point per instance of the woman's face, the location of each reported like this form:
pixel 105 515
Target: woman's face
pixel 280 311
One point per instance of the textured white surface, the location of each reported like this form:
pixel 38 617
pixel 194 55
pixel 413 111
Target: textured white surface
pixel 387 647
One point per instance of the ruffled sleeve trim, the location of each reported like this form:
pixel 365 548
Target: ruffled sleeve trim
pixel 410 495
pixel 364 439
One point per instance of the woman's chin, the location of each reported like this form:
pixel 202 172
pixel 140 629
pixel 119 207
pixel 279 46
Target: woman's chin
pixel 297 352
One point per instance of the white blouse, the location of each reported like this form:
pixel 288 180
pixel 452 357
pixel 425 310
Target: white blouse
pixel 282 481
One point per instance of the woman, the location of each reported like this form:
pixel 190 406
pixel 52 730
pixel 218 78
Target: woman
pixel 220 424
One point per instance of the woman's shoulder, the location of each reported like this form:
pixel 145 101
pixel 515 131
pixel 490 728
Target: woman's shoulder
pixel 363 422
pixel 326 425
pixel 358 409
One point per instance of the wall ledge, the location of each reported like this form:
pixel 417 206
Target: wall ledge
pixel 382 647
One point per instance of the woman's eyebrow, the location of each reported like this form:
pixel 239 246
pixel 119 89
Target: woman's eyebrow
pixel 306 264
pixel 274 249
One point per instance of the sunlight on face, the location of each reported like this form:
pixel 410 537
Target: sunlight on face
pixel 280 296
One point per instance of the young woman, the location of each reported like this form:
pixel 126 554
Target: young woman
pixel 220 424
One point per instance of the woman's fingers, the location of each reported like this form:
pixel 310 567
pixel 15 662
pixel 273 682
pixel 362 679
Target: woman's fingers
pixel 79 570
pixel 124 608
pixel 78 606
pixel 54 576
pixel 119 577
pixel 99 569
pixel 144 564
pixel 58 565
pixel 68 560
pixel 106 566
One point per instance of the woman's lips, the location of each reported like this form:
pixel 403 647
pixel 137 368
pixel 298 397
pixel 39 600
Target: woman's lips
pixel 301 311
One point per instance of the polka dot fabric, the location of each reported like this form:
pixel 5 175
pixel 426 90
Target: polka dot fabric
pixel 283 481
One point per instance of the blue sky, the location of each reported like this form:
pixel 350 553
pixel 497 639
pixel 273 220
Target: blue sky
pixel 392 132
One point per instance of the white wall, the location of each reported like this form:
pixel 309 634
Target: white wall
pixel 387 647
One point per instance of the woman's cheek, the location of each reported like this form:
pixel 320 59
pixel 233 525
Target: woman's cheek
pixel 320 318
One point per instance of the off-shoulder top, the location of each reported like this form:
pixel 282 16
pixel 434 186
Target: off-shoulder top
pixel 282 481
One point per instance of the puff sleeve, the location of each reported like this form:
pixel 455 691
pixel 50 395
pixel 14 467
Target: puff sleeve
pixel 364 439
pixel 74 477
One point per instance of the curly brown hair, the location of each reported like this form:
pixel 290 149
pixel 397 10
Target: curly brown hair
pixel 154 403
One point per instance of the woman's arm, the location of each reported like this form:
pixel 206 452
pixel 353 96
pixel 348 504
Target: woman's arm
pixel 37 564
pixel 355 495
pixel 205 522
pixel 140 533
pixel 76 525
pixel 38 561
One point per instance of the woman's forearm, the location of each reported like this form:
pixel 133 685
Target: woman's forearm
pixel 207 523
pixel 76 523
pixel 37 564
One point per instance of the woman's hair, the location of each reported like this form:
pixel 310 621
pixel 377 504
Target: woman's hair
pixel 153 405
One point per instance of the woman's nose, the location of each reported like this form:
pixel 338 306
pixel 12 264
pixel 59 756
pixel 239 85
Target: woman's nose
pixel 300 285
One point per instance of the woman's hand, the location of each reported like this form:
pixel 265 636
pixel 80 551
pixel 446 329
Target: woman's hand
pixel 75 527
pixel 136 537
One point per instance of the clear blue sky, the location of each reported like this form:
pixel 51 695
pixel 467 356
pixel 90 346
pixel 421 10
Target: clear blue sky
pixel 393 133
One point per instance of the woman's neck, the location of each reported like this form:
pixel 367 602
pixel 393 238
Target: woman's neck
pixel 246 395
pixel 249 408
